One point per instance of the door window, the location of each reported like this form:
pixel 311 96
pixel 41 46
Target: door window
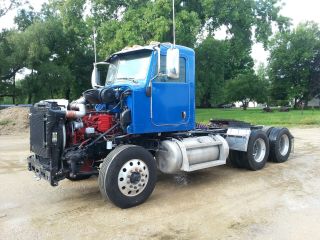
pixel 182 75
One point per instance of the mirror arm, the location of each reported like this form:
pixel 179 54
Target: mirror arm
pixel 148 91
pixel 159 60
pixel 149 87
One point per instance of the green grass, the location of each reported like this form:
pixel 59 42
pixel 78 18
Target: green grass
pixel 258 117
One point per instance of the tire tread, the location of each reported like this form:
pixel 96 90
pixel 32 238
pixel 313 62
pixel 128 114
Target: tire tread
pixel 109 171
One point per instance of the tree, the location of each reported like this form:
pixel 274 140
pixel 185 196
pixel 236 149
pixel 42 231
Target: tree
pixel 130 22
pixel 12 59
pixel 55 48
pixel 246 87
pixel 61 35
pixel 294 64
pixel 42 44
pixel 315 75
pixel 262 74
pixel 50 81
pixel 25 18
pixel 127 22
pixel 245 21
pixel 211 63
pixel 152 21
pixel 6 6
pixel 77 32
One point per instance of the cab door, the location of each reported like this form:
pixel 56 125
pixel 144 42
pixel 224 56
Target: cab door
pixel 170 98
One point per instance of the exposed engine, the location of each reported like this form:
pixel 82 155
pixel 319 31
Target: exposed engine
pixel 88 126
pixel 69 139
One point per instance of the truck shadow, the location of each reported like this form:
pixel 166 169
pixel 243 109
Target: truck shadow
pixel 200 177
pixel 87 191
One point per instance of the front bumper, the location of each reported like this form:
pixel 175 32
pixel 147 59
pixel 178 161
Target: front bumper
pixel 43 171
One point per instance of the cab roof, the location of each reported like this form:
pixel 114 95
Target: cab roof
pixel 151 47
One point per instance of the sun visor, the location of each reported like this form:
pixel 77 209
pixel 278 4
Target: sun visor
pixel 129 50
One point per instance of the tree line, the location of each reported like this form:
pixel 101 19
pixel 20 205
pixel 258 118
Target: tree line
pixel 55 45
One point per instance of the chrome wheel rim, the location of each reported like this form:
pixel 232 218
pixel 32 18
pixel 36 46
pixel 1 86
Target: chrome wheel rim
pixel 284 144
pixel 259 150
pixel 133 177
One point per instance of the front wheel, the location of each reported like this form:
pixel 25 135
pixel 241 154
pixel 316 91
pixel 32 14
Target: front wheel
pixel 128 176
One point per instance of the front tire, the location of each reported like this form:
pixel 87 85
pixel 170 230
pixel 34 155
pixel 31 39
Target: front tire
pixel 128 176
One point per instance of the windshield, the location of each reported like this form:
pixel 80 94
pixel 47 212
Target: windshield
pixel 133 67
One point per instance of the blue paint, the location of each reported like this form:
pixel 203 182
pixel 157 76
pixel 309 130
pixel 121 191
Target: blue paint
pixel 171 106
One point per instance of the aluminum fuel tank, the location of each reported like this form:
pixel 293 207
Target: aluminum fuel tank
pixel 185 154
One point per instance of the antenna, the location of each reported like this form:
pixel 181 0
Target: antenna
pixel 95 44
pixel 174 25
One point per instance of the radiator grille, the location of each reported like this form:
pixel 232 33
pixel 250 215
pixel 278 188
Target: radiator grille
pixel 38 132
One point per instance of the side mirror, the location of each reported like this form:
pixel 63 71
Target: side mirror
pixel 95 77
pixel 172 66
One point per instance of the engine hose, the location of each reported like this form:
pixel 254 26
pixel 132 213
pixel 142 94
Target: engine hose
pixel 114 107
pixel 84 142
pixel 102 135
pixel 123 95
pixel 78 109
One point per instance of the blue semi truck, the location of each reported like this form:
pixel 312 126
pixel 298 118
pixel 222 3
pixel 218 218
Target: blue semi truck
pixel 138 118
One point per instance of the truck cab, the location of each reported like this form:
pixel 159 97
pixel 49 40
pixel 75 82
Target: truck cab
pixel 158 103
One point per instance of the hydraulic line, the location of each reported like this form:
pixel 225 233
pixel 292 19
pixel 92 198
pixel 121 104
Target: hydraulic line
pixel 102 135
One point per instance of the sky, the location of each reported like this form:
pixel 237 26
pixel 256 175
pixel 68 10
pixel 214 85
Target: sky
pixel 297 10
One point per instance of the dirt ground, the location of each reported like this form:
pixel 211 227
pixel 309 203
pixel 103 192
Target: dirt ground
pixel 14 120
pixel 280 202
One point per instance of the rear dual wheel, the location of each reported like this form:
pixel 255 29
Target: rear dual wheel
pixel 274 144
pixel 128 176
pixel 280 145
pixel 257 153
